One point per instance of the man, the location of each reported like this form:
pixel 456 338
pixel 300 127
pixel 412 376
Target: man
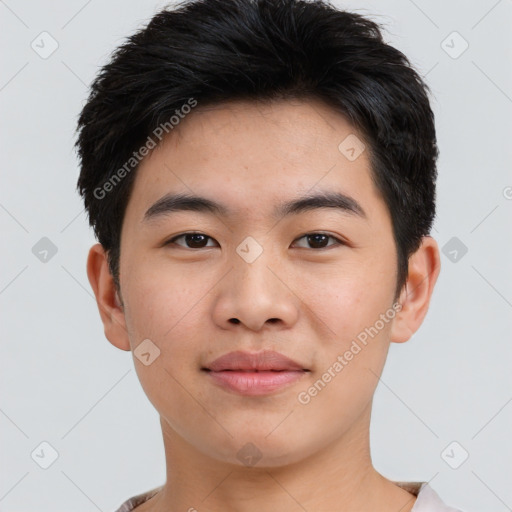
pixel 260 176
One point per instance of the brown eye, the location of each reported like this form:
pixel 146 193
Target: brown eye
pixel 192 240
pixel 319 240
pixel 200 241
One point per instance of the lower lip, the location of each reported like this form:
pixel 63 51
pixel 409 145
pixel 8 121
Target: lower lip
pixel 255 383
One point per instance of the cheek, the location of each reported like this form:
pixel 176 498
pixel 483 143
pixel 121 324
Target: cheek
pixel 348 302
pixel 166 309
pixel 352 352
pixel 162 300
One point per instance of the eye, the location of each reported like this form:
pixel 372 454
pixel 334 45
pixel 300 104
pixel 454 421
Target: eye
pixel 193 240
pixel 199 240
pixel 318 240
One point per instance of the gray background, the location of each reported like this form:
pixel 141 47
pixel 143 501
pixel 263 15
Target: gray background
pixel 64 384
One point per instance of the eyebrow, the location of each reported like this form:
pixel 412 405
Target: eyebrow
pixel 171 203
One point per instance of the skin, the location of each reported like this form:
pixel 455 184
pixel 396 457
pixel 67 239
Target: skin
pixel 297 298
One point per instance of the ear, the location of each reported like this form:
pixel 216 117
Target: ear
pixel 424 268
pixel 109 303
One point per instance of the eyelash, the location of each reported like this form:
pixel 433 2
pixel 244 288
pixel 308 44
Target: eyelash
pixel 338 240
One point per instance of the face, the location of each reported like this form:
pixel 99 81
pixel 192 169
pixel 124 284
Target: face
pixel 306 283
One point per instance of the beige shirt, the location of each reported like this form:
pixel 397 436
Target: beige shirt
pixel 427 499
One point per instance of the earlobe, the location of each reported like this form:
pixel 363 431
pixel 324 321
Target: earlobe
pixel 424 268
pixel 109 304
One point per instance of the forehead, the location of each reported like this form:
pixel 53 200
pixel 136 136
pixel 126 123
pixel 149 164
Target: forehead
pixel 254 155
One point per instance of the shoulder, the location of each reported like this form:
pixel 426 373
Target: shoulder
pixel 135 501
pixel 429 501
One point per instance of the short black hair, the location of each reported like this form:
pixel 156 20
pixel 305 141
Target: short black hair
pixel 214 51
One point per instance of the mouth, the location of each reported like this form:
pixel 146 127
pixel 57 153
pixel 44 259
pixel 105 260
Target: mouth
pixel 254 374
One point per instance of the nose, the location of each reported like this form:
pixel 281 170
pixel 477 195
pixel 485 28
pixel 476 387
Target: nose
pixel 256 294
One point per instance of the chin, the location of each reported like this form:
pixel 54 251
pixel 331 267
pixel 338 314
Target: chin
pixel 264 451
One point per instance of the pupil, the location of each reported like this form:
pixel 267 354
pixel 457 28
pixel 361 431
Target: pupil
pixel 316 238
pixel 195 239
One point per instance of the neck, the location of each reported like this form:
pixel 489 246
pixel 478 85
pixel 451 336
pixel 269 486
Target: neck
pixel 340 477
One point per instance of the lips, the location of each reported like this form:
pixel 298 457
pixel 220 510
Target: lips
pixel 268 360
pixel 257 374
